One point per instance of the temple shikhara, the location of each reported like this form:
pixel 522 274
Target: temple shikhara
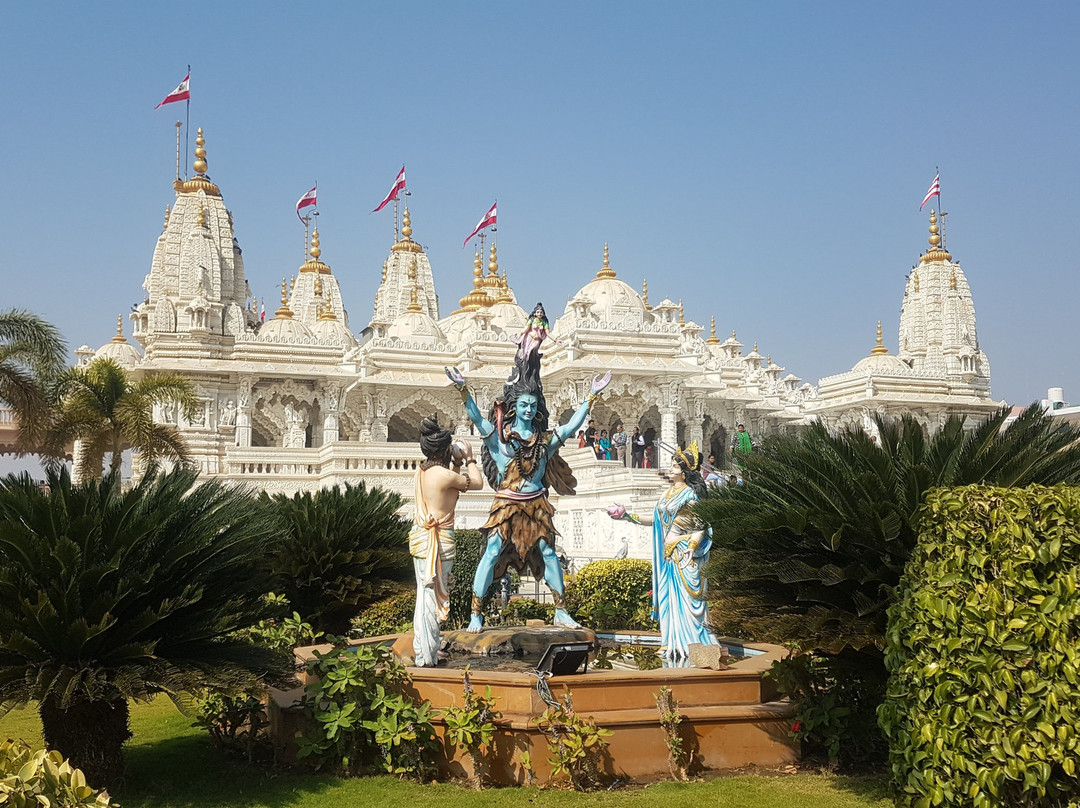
pixel 312 397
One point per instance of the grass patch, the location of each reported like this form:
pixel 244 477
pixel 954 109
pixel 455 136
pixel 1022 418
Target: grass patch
pixel 171 764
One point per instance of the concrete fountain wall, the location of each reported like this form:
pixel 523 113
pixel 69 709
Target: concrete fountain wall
pixel 731 718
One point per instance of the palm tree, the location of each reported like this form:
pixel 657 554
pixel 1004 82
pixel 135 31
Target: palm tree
pixel 341 550
pixel 811 549
pixel 109 596
pixel 31 353
pixel 104 409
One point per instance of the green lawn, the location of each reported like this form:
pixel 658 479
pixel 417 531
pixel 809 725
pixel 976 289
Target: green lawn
pixel 173 765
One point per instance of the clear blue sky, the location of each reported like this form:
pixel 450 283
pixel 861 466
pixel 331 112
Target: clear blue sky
pixel 763 161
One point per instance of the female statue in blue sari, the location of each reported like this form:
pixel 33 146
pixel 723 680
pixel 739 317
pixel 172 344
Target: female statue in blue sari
pixel 680 550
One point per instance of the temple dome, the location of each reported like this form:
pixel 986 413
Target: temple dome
pixel 119 349
pixel 332 330
pixel 612 300
pixel 282 328
pixel 410 325
pixel 880 361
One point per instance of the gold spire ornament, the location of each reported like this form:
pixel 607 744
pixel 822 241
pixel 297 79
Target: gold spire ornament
pixel 119 337
pixel 200 182
pixel 879 349
pixel 645 294
pixel 477 298
pixel 405 243
pixel 712 340
pixel 283 310
pixel 682 320
pixel 936 251
pixel 314 263
pixel 414 292
pixel 952 281
pixel 200 220
pixel 168 213
pixel 606 272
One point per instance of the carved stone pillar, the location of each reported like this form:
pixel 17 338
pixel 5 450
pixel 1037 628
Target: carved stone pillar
pixel 380 433
pixel 668 436
pixel 243 413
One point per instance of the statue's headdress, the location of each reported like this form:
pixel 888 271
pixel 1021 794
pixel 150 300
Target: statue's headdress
pixel 434 439
pixel 690 457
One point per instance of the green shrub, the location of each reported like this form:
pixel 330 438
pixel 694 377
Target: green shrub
pixel 342 549
pixel 359 718
pixel 391 615
pixel 984 699
pixel 470 546
pixel 30 779
pixel 518 610
pixel 612 594
pixel 836 698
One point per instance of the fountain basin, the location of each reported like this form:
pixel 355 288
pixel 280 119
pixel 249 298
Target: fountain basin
pixel 731 718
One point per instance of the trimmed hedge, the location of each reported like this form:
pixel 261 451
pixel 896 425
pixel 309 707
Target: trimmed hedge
pixel 984 652
pixel 612 594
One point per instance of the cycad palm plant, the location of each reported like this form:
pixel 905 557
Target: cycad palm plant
pixel 104 408
pixel 107 597
pixel 811 549
pixel 342 549
pixel 31 353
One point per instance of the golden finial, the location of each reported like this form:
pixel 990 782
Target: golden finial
pixel 406 244
pixel 712 340
pixel 385 269
pixel 200 218
pixel 477 298
pixel 916 281
pixel 682 320
pixel 316 251
pixel 936 252
pixel 952 280
pixel 880 348
pixel 200 153
pixel 768 360
pixel 645 293
pixel 168 213
pixel 283 309
pixel 606 271
pixel 119 329
pixel 504 290
pixel 318 286
pixel 414 294
pixel 755 348
pixel 314 264
pixel 493 261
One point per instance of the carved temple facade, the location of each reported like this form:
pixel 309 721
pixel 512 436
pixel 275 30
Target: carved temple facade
pixel 301 401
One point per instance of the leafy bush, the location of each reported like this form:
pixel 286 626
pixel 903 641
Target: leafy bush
pixel 470 547
pixel 471 727
pixel 342 550
pixel 518 610
pixel 984 699
pixel 836 698
pixel 811 549
pixel 30 779
pixel 576 744
pixel 389 616
pixel 612 594
pixel 358 715
pixel 108 596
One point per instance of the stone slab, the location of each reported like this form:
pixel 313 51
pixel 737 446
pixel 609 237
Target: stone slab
pixel 517 642
pixel 713 657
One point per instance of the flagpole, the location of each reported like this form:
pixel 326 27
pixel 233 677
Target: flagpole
pixel 941 206
pixel 395 221
pixel 187 125
pixel 178 125
pixel 305 220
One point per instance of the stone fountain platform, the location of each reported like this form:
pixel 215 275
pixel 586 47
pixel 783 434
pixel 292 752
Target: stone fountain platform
pixel 731 718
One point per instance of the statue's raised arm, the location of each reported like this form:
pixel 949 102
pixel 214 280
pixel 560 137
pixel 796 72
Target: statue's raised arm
pixel 581 414
pixel 483 425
